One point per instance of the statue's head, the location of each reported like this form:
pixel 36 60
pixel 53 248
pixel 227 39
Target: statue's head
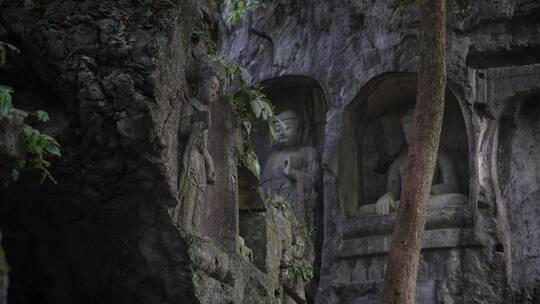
pixel 288 129
pixel 406 124
pixel 208 81
pixel 209 89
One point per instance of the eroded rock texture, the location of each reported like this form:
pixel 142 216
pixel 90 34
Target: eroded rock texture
pixel 114 76
pixel 117 77
pixel 112 86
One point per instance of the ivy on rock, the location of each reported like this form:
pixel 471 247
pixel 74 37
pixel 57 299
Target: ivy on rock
pixel 251 105
pixel 36 144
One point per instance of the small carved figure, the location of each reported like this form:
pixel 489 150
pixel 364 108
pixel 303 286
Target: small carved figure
pixel 444 191
pixel 197 165
pixel 292 170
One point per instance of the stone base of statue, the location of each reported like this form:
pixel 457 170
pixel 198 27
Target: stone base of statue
pixel 434 202
pixel 449 243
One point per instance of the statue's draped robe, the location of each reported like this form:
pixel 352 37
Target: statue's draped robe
pixel 300 193
pixel 192 176
pixel 444 180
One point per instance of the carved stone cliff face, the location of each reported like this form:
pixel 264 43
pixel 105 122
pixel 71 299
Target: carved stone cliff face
pixel 114 76
pixel 111 80
pixel 360 52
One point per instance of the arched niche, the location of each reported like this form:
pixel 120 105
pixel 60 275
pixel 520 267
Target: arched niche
pixel 518 179
pixel 303 95
pixel 373 138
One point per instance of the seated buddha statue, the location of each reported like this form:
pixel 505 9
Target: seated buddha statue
pixel 444 190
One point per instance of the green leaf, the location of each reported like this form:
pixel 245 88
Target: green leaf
pixel 27 130
pixel 256 107
pixel 6 105
pixel 29 4
pixel 2 55
pixel 237 12
pixel 403 5
pixel 51 145
pixel 42 116
pixel 253 4
pixel 6 88
pixel 32 139
pixel 53 150
pixel 20 113
pixel 252 163
pixel 245 76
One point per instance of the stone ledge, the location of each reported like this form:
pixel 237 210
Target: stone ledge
pixel 433 239
pixel 373 225
pixel 368 292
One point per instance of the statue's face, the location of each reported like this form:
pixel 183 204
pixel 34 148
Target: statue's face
pixel 287 129
pixel 209 90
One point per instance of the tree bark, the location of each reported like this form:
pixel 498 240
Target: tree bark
pixel 400 277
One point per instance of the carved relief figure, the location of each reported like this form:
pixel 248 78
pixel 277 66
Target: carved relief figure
pixel 292 170
pixel 444 190
pixel 197 165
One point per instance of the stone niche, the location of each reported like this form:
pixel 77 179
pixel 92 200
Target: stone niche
pixel 302 95
pixel 518 173
pixel 373 138
pixel 265 229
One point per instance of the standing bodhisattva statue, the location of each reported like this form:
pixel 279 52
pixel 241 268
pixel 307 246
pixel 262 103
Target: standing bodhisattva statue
pixel 197 165
pixel 292 170
pixel 444 191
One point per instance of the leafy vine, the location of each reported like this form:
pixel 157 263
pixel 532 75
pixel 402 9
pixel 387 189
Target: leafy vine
pixel 238 9
pixel 36 144
pixel 251 105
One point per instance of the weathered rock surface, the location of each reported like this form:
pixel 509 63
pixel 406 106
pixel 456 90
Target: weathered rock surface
pixel 103 233
pixel 113 76
pixel 351 48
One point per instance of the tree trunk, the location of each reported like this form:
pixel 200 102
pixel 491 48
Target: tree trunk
pixel 400 278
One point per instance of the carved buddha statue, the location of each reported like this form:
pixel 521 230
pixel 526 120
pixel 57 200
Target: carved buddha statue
pixel 196 163
pixel 444 189
pixel 292 169
pixel 291 172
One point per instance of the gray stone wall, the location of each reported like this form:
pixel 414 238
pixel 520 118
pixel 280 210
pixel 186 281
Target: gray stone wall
pixel 492 58
pixel 115 77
